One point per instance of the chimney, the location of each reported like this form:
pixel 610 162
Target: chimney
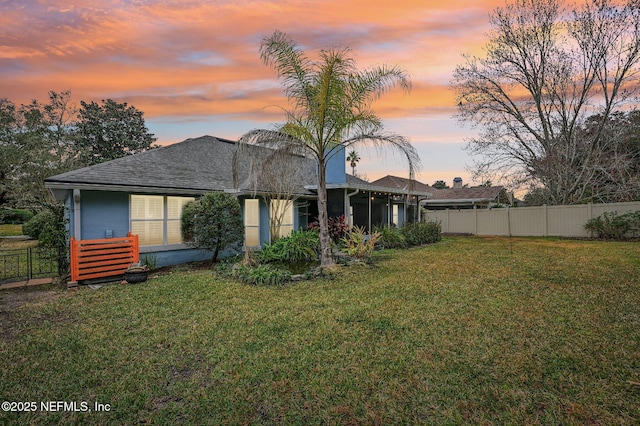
pixel 457 182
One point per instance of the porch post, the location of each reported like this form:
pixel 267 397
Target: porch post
pixel 406 209
pixel 77 213
pixel 369 211
pixel 388 210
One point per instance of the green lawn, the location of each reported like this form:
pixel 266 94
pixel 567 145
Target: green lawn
pixel 466 331
pixel 10 230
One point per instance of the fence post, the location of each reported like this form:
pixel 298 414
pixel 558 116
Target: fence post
pixel 448 220
pixel 29 263
pixel 546 220
pixel 475 220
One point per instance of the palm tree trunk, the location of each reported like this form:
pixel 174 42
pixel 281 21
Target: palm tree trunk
pixel 326 259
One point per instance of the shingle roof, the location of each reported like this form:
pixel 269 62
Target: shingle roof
pixel 477 194
pixel 403 183
pixel 192 166
pixel 354 182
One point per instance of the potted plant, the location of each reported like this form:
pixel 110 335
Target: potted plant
pixel 136 273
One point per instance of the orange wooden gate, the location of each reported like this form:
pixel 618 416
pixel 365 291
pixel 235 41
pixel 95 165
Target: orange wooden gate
pixel 103 258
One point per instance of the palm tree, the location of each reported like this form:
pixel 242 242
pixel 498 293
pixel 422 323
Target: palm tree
pixel 329 109
pixel 354 158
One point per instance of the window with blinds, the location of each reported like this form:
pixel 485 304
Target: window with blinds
pixel 156 218
pixel 283 209
pixel 252 222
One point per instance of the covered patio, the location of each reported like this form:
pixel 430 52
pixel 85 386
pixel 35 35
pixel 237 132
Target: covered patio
pixel 366 205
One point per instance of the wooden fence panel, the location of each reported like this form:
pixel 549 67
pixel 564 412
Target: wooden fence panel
pixel 103 258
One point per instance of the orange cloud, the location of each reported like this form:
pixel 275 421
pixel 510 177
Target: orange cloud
pixel 185 60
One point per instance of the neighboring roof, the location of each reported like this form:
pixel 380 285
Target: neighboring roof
pixel 353 183
pixel 480 194
pixel 193 166
pixel 403 183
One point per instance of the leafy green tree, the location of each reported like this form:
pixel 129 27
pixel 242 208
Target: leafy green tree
pixel 111 130
pixel 213 222
pixel 440 184
pixel 9 153
pixel 36 141
pixel 329 110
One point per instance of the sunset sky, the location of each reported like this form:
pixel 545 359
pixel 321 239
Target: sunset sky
pixel 193 66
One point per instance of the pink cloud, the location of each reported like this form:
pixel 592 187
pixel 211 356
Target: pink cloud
pixel 176 59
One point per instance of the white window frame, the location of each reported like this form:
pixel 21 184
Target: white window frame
pixel 164 220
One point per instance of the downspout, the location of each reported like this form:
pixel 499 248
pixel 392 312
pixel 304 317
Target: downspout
pixel 420 200
pixel 77 215
pixel 347 206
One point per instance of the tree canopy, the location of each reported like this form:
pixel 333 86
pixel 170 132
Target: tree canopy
pixel 38 140
pixel 440 184
pixel 329 109
pixel 549 73
pixel 111 130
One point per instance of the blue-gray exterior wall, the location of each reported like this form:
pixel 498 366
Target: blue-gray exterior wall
pixel 264 223
pixel 168 257
pixel 336 167
pixel 103 211
pixel 401 215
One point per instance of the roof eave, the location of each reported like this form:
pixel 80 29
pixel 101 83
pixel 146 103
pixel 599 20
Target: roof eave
pixel 125 188
pixel 372 188
pixel 458 201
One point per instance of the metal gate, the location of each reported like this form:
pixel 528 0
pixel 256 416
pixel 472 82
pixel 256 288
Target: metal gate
pixel 26 264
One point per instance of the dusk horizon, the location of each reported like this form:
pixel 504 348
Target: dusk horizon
pixel 194 69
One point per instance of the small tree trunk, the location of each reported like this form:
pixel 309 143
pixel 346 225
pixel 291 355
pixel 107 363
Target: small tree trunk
pixel 326 259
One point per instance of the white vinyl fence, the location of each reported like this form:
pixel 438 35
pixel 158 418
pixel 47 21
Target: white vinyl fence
pixel 560 221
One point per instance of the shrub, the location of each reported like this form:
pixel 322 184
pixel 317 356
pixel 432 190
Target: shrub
pixel 338 227
pixel 150 260
pixel 214 222
pixel 300 246
pixel 40 223
pixel 420 233
pixel 391 237
pixel 260 275
pixel 49 227
pixel 614 226
pixel 359 244
pixel 15 216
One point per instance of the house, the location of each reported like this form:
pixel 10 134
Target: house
pixel 457 197
pixel 144 194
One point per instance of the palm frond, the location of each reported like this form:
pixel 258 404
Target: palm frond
pixel 281 53
pixel 395 142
